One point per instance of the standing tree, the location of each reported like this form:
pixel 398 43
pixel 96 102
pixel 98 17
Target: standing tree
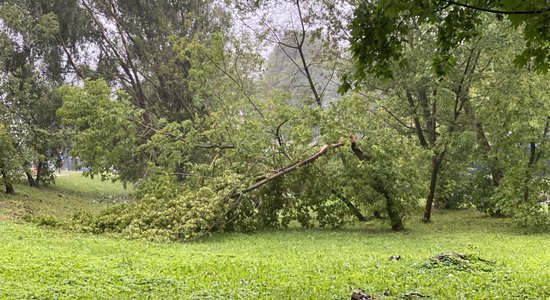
pixel 382 33
pixel 8 159
pixel 32 66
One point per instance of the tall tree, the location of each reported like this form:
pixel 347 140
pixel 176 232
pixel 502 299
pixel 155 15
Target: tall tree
pixel 32 66
pixel 8 159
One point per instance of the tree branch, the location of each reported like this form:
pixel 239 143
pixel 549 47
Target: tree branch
pixel 357 151
pixel 417 125
pixel 69 56
pixel 495 11
pixel 324 149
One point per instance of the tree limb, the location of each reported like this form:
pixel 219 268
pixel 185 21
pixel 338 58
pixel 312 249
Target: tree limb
pixel 356 150
pixel 70 60
pixel 324 149
pixel 495 11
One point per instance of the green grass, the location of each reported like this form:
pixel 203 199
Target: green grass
pixel 71 193
pixel 287 264
pixel 42 263
pixel 78 184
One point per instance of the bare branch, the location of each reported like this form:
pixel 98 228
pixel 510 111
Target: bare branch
pixel 495 11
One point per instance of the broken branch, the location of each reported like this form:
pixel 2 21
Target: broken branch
pixel 324 149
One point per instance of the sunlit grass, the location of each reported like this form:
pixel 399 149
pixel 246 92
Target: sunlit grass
pixel 75 182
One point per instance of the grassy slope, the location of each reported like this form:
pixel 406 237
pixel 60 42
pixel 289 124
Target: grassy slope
pixel 292 264
pixel 71 193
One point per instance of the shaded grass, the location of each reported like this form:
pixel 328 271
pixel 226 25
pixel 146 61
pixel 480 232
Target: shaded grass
pixel 76 183
pixel 282 264
pixel 71 193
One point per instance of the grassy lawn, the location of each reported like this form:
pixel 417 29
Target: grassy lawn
pixel 71 193
pixel 43 263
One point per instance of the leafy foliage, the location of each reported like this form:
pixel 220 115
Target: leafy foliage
pixel 8 158
pixel 380 30
pixel 107 132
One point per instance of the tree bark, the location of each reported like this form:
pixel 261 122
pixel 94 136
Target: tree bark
pixel 437 159
pixel 39 170
pixel 532 156
pixel 394 214
pixel 9 186
pixel 352 207
pixel 496 172
pixel 417 125
pixel 396 219
pixel 360 155
pixel 30 179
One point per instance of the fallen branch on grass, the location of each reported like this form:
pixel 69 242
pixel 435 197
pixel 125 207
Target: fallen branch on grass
pixel 322 151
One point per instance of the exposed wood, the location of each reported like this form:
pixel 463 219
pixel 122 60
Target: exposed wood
pixel 213 146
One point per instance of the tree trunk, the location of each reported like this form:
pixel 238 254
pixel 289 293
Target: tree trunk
pixel 352 207
pixel 494 169
pixel 30 179
pixel 394 214
pixel 396 219
pixel 437 159
pixel 532 156
pixel 9 186
pixel 39 170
